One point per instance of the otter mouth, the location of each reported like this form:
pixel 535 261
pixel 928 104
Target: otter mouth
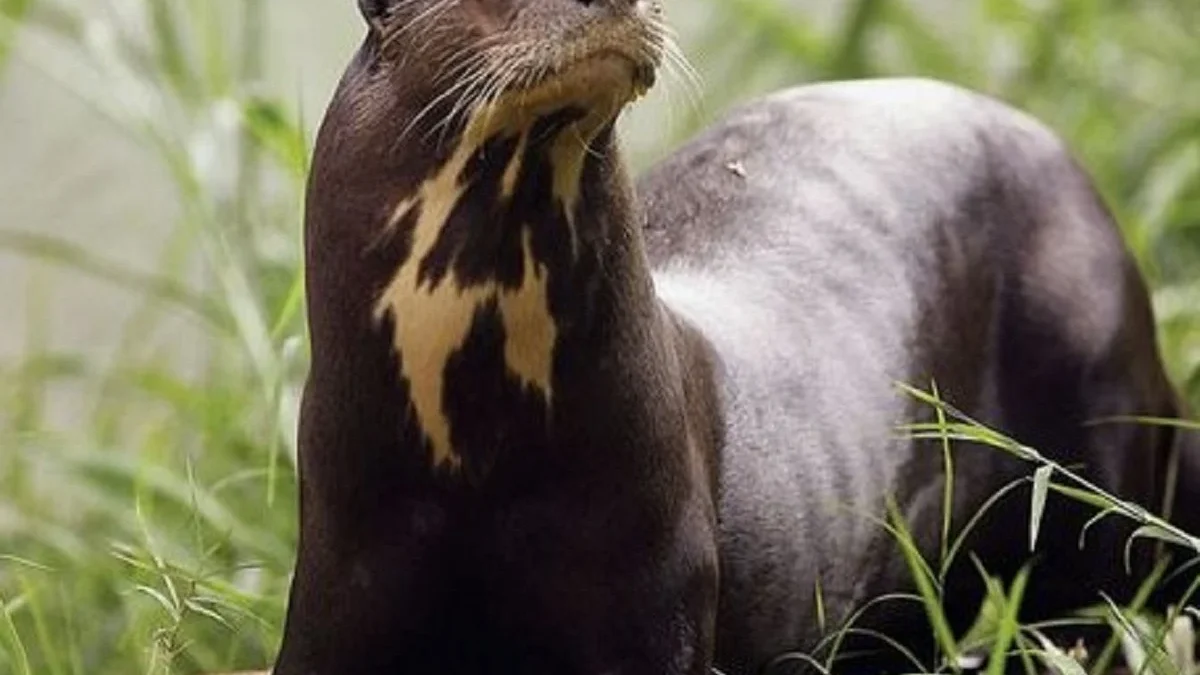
pixel 644 77
pixel 602 76
pixel 598 84
pixel 599 63
pixel 642 70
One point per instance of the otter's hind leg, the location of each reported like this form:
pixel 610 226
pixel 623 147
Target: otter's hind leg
pixel 1077 351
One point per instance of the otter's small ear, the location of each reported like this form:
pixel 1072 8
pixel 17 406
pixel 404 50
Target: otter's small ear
pixel 375 11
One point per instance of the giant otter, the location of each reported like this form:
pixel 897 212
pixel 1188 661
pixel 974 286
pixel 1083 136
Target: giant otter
pixel 554 425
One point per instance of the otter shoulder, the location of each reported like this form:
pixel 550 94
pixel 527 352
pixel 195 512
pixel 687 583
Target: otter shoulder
pixel 898 116
pixel 934 142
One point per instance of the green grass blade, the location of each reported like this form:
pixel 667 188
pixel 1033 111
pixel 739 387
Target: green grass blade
pixel 1037 506
pixel 74 256
pixel 926 585
pixel 17 651
pixel 1103 662
pixel 1009 625
pixel 948 479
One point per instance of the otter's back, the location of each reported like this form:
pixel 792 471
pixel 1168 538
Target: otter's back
pixel 812 237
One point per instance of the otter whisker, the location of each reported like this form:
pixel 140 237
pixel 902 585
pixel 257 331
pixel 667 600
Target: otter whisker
pixel 461 65
pixel 482 89
pixel 671 51
pixel 680 70
pixel 429 14
pixel 471 66
pixel 501 82
pixel 476 69
pixel 464 91
pixel 585 145
pixel 478 79
pixel 675 55
pixel 677 80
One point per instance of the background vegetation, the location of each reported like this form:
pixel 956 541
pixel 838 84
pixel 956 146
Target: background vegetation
pixel 151 527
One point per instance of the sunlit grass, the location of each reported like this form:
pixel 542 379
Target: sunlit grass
pixel 155 535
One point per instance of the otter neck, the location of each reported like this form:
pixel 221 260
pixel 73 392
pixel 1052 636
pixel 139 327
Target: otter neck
pixel 520 247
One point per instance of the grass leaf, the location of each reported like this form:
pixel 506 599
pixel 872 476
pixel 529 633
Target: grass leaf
pixel 12 637
pixel 926 583
pixel 1058 662
pixel 1008 625
pixel 1155 532
pixel 1037 506
pixel 168 605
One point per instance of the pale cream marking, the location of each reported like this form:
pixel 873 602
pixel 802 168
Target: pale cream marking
pixel 566 160
pixel 431 321
pixel 589 84
pixel 444 311
pixel 512 172
pixel 388 231
pixel 399 213
pixel 531 333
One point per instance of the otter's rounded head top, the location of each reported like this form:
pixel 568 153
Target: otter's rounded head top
pixel 516 60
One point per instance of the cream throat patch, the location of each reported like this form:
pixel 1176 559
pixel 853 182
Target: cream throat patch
pixel 470 228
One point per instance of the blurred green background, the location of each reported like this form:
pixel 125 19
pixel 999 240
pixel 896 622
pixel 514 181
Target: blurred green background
pixel 152 338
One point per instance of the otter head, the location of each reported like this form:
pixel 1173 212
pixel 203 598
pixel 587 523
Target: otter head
pixel 487 66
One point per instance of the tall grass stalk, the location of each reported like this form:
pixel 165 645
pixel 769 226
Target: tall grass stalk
pixel 162 527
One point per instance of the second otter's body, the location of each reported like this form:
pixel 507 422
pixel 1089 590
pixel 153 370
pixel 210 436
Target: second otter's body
pixel 550 429
pixel 833 240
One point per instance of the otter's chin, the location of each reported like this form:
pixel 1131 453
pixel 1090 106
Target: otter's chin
pixel 600 86
pixel 604 82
